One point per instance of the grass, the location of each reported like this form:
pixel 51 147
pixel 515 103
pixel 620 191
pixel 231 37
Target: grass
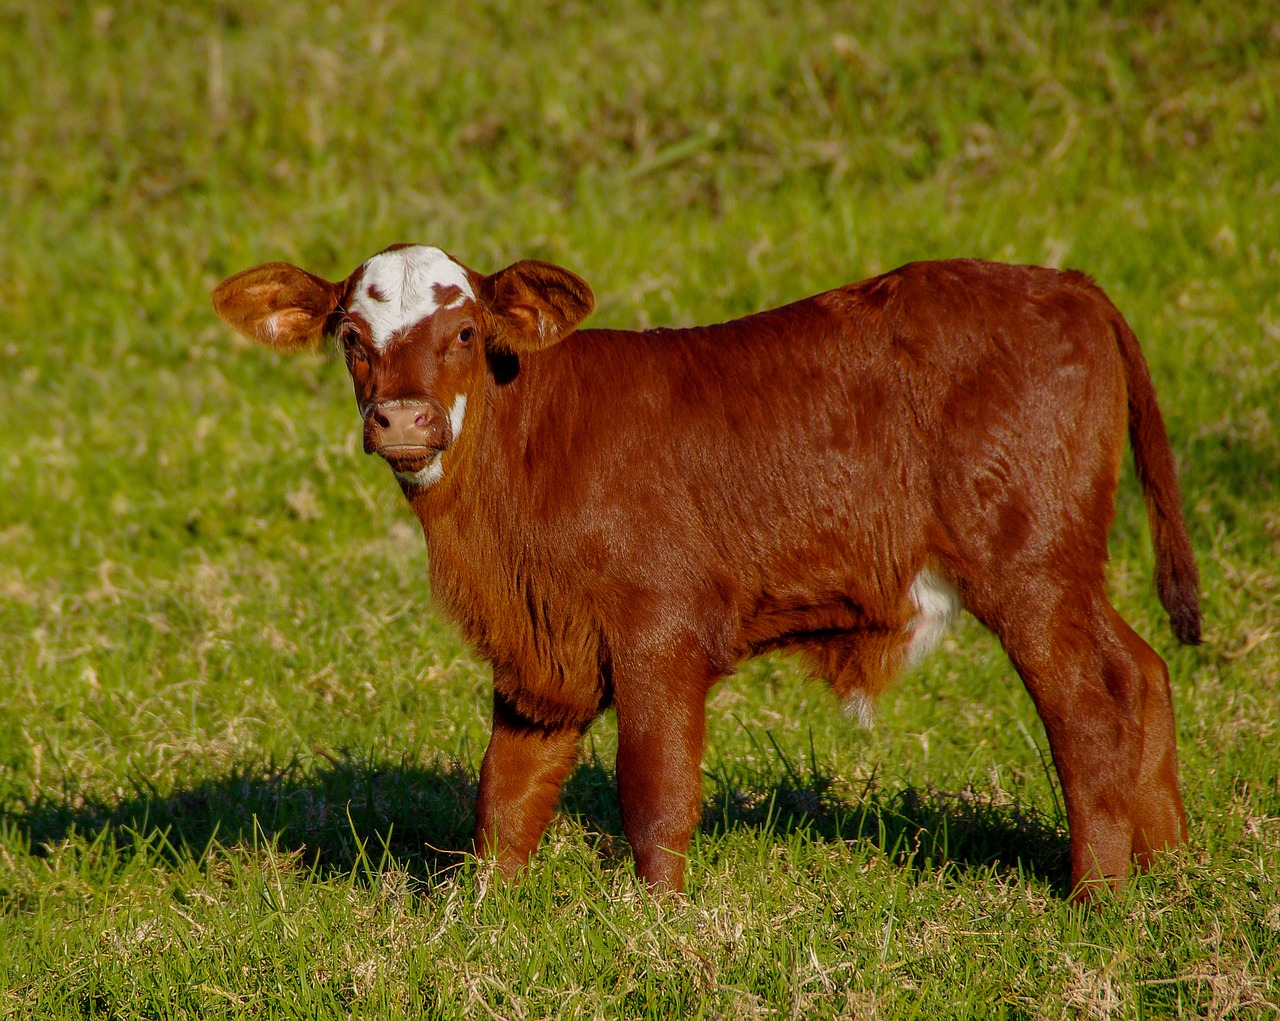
pixel 237 748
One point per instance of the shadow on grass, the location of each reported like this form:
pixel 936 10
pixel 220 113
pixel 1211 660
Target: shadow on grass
pixel 923 829
pixel 351 812
pixel 337 816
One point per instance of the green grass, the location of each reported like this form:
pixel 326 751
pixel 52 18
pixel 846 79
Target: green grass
pixel 237 748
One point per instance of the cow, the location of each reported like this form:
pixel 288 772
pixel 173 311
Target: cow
pixel 621 518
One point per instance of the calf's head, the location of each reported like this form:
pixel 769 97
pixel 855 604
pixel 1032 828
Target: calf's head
pixel 419 332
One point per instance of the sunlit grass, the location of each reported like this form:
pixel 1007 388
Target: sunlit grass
pixel 238 749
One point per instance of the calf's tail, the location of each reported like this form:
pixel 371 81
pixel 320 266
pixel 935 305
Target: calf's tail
pixel 1177 580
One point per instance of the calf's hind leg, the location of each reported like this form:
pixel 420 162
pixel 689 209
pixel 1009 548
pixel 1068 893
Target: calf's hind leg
pixel 1160 821
pixel 1103 696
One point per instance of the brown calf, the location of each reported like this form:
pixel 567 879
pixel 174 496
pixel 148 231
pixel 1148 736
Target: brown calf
pixel 621 518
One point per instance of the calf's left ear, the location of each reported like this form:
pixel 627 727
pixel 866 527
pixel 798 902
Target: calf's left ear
pixel 278 305
pixel 535 304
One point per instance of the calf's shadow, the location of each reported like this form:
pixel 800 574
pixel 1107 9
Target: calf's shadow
pixel 353 814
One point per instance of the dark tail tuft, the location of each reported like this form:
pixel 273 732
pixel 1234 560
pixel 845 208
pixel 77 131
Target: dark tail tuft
pixel 1185 618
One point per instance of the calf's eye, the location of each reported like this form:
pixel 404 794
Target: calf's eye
pixel 464 335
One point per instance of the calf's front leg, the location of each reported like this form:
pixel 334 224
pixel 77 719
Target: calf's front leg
pixel 524 769
pixel 660 739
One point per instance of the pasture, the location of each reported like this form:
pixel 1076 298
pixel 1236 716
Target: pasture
pixel 238 750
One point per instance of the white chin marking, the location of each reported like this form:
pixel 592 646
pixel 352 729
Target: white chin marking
pixel 400 288
pixel 937 603
pixel 434 471
pixel 424 477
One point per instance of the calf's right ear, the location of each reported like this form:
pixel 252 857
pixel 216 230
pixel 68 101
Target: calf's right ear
pixel 278 305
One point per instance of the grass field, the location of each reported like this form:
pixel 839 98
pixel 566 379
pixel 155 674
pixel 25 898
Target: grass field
pixel 238 750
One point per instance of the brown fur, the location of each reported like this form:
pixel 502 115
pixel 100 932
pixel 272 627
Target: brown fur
pixel 627 516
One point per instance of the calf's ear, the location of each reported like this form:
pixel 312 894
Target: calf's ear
pixel 278 305
pixel 535 304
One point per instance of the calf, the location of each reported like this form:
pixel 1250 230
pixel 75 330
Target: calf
pixel 621 518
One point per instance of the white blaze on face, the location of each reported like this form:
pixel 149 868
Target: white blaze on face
pixel 401 288
pixel 434 471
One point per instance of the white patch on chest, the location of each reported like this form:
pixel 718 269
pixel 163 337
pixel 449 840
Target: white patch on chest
pixel 937 603
pixel 400 288
pixel 434 471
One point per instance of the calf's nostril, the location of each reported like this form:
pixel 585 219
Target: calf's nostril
pixel 422 421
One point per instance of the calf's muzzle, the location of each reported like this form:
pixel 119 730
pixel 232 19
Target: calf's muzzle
pixel 405 432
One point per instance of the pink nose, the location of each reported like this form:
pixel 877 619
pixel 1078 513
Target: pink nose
pixel 405 424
